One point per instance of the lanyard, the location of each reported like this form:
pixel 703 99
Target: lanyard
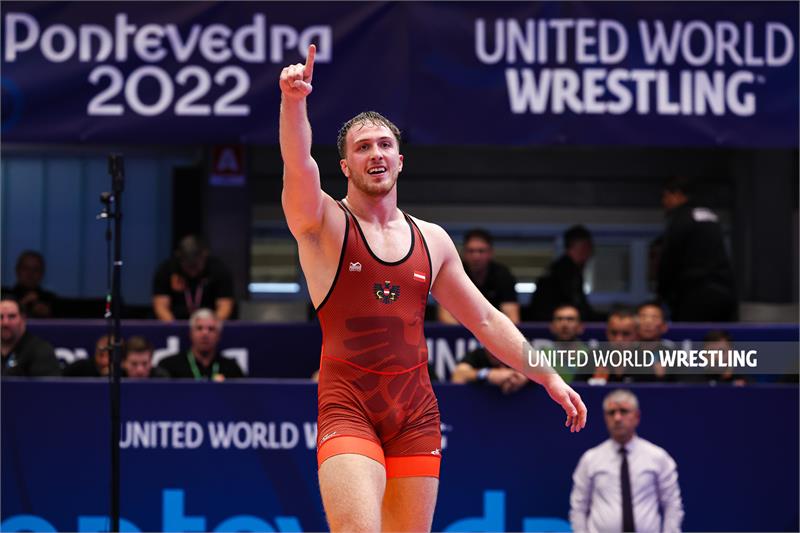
pixel 193 301
pixel 196 370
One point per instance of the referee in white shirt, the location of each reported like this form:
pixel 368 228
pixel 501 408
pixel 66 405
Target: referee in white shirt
pixel 626 483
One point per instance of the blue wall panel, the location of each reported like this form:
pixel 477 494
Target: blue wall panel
pixel 50 204
pixel 62 236
pixel 23 184
pixel 139 228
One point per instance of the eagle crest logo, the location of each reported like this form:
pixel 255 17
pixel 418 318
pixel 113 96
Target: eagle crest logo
pixel 386 292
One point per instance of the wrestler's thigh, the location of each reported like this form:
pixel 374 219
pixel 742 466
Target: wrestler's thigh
pixel 408 504
pixel 352 488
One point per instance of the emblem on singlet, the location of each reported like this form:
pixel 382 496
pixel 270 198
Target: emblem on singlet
pixel 387 293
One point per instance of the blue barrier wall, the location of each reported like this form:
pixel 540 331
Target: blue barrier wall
pixel 507 460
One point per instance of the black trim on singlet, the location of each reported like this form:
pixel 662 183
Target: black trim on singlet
pixel 366 243
pixel 427 253
pixel 341 257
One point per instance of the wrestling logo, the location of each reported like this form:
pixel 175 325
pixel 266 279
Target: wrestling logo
pixel 387 293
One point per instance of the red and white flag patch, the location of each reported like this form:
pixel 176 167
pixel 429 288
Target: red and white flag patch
pixel 419 276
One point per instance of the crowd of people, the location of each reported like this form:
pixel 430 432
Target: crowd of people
pixel 695 283
pixel 639 329
pixel 26 355
pixel 689 264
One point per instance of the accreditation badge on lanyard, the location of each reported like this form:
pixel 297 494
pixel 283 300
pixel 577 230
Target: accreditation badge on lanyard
pixel 193 300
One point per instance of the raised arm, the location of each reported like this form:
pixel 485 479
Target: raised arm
pixel 453 289
pixel 302 198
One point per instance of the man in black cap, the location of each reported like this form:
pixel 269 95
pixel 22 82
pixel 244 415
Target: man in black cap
pixel 191 280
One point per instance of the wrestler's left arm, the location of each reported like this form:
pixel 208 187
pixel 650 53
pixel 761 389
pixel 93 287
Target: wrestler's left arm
pixel 453 289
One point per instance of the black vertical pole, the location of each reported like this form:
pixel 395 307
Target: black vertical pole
pixel 117 171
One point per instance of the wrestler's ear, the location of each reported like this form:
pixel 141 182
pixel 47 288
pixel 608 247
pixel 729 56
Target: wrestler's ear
pixel 345 168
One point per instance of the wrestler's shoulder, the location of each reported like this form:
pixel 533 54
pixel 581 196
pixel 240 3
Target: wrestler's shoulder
pixel 430 230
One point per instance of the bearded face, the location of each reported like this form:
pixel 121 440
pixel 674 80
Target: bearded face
pixel 372 159
pixel 12 322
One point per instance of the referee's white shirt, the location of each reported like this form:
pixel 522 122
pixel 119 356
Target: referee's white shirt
pixel 596 499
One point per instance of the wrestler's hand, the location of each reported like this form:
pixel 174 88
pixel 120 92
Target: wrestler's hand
pixel 295 81
pixel 569 400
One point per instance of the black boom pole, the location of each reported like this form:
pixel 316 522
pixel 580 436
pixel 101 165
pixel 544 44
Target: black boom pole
pixel 117 171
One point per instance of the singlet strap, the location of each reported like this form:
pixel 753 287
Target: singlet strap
pixel 369 248
pixel 424 246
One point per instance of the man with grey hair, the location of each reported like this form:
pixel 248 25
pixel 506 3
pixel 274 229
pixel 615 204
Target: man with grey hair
pixel 202 361
pixel 626 483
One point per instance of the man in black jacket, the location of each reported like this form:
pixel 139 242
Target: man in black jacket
pixel 190 280
pixel 493 279
pixel 695 277
pixel 563 282
pixel 23 354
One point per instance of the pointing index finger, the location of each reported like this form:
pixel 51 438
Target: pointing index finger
pixel 309 70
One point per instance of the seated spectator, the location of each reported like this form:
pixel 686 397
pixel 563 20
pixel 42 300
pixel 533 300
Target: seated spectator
pixel 621 328
pixel 202 361
pixel 566 328
pixel 191 280
pixel 651 325
pixel 621 335
pixel 494 280
pixel 718 339
pixel 34 301
pixel 563 282
pixel 97 366
pixel 480 366
pixel 23 354
pixel 137 362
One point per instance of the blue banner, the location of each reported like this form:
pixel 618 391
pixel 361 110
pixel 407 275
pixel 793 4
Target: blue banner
pixel 550 73
pixel 241 457
pixel 292 350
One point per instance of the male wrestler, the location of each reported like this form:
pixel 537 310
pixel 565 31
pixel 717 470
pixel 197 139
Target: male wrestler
pixel 369 268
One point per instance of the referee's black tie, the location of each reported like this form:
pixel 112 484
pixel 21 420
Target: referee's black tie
pixel 627 499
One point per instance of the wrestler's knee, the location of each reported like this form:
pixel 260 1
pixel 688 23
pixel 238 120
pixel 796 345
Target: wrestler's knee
pixel 354 524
